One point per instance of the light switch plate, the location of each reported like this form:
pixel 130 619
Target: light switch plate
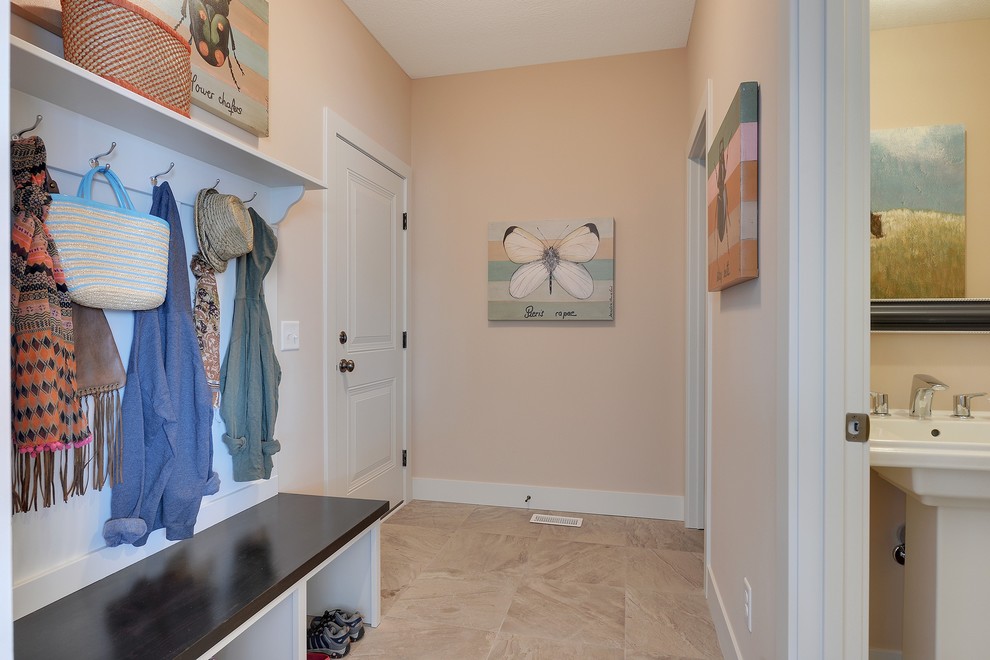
pixel 290 335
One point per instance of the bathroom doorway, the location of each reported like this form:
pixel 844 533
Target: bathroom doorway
pixel 697 363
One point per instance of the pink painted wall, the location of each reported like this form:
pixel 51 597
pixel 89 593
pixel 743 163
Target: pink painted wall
pixel 730 43
pixel 593 405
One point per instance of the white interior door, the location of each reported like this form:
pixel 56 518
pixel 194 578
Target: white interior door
pixel 369 365
pixel 828 347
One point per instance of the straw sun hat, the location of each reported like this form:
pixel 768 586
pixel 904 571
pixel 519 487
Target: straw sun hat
pixel 223 228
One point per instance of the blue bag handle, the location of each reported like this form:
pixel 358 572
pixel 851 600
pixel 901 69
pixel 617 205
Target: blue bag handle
pixel 86 186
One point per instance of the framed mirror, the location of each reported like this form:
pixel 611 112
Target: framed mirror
pixel 929 153
pixel 936 315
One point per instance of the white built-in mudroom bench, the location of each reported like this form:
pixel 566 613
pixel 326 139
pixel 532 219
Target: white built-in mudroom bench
pixel 240 589
pixel 261 559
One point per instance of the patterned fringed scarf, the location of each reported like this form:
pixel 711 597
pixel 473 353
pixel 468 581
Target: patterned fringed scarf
pixel 48 420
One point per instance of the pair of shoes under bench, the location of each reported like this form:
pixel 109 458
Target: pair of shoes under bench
pixel 329 638
pixel 353 622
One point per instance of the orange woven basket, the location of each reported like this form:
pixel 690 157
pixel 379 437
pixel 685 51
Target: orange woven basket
pixel 131 47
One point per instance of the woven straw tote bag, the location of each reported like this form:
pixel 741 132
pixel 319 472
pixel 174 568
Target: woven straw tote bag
pixel 113 256
pixel 129 46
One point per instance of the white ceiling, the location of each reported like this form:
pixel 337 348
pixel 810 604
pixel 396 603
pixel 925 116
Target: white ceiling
pixel 441 37
pixel 885 14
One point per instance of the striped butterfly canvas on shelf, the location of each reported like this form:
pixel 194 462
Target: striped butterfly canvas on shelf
pixel 554 270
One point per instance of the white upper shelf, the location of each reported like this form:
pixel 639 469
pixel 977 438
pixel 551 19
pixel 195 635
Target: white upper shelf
pixel 38 73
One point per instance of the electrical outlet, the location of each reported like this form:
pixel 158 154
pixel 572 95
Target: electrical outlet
pixel 748 604
pixel 290 335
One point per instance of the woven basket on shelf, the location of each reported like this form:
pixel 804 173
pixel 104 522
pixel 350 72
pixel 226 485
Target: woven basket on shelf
pixel 131 47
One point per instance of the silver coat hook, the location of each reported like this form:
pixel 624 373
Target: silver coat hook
pixel 251 198
pixel 95 160
pixel 217 184
pixel 18 134
pixel 154 179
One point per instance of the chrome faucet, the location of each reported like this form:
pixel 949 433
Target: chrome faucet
pixel 923 388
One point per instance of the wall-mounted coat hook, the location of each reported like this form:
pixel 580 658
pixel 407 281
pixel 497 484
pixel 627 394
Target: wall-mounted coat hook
pixel 18 134
pixel 95 160
pixel 154 179
pixel 217 184
pixel 250 199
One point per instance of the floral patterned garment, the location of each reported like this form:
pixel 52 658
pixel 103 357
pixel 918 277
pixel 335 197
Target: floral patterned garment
pixel 206 316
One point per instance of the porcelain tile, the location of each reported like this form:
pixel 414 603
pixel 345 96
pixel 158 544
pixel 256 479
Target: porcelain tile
pixel 518 647
pixel 668 534
pixel 608 530
pixel 471 552
pixel 396 577
pixel 568 611
pixel 477 601
pixel 405 551
pixel 573 561
pixel 402 639
pixel 671 624
pixel 502 520
pixel 655 656
pixel 438 515
pixel 649 569
pixel 413 544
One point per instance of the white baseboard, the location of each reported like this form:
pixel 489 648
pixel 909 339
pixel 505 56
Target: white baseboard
pixel 544 498
pixel 726 639
pixel 35 593
pixel 884 654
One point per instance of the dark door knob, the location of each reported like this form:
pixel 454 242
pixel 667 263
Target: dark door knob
pixel 346 365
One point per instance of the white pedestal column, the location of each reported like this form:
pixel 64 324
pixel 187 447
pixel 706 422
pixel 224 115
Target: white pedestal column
pixel 946 582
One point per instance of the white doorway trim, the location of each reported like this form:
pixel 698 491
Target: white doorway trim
pixel 697 364
pixel 336 127
pixel 825 516
pixel 6 530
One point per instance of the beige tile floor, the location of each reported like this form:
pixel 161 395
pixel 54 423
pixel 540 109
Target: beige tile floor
pixel 462 582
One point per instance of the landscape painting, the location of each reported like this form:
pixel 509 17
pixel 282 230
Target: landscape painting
pixel 918 212
pixel 554 270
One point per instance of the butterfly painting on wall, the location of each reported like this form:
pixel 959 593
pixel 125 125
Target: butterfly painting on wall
pixel 733 193
pixel 556 270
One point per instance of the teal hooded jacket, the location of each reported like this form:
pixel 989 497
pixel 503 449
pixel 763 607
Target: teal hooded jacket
pixel 250 374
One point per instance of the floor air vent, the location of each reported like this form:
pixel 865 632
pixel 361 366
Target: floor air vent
pixel 556 520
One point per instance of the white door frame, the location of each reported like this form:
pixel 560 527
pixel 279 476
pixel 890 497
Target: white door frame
pixel 337 127
pixel 6 531
pixel 825 260
pixel 697 434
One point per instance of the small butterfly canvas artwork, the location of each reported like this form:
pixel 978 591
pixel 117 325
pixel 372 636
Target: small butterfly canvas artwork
pixel 733 193
pixel 554 270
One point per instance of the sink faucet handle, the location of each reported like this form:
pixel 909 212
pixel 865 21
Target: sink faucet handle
pixel 963 402
pixel 878 404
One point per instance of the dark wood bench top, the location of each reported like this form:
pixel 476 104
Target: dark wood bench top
pixel 178 603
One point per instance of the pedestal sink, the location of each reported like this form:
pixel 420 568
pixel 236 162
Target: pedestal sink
pixel 943 464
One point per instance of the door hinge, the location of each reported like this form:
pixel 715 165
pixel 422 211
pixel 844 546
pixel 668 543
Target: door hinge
pixel 857 427
pixel 404 338
pixel 405 221
pixel 405 458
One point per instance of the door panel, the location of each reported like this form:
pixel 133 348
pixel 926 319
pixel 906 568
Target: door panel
pixel 371 441
pixel 370 286
pixel 373 252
